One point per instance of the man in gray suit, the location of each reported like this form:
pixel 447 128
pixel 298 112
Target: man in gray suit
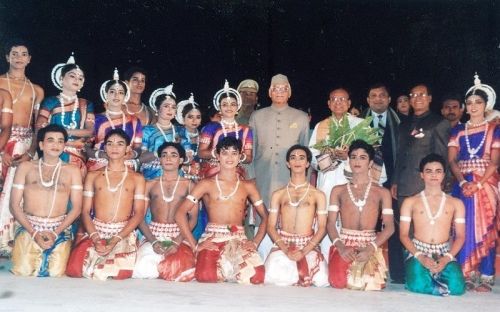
pixel 421 134
pixel 275 129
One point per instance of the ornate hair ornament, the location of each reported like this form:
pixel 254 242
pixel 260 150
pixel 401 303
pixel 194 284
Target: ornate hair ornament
pixel 116 78
pixel 180 108
pixel 225 92
pixel 159 92
pixel 492 96
pixel 56 71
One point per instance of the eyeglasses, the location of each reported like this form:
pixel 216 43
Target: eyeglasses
pixel 414 95
pixel 280 89
pixel 339 99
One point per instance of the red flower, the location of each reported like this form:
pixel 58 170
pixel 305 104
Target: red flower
pixel 232 228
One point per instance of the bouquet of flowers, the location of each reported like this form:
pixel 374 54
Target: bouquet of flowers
pixel 340 136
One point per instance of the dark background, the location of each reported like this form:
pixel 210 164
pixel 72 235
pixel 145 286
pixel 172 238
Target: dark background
pixel 317 44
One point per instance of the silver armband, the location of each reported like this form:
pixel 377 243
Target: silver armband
pixel 258 203
pixel 18 186
pixel 139 197
pixel 387 211
pixel 405 219
pixel 192 199
pixel 333 208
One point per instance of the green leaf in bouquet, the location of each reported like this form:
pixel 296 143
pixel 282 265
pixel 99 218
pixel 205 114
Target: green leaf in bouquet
pixel 166 244
pixel 340 134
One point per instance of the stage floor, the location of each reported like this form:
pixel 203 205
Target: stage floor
pixel 68 294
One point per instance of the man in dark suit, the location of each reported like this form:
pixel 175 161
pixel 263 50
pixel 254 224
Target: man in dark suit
pixel 387 121
pixel 421 134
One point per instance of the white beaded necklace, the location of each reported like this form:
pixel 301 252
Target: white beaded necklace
pixel 296 186
pixel 119 185
pixel 474 151
pixel 360 203
pixel 62 98
pixel 56 182
pixel 431 217
pixel 163 132
pixel 56 169
pixel 111 120
pixel 169 199
pixel 14 100
pixel 229 123
pixel 297 203
pixel 135 113
pixel 226 197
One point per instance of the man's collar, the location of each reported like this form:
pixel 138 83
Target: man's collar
pixel 423 115
pixel 278 109
pixel 375 114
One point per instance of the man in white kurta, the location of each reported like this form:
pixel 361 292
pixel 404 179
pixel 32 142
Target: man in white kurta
pixel 275 129
pixel 339 104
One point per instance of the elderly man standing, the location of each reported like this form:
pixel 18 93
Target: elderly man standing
pixel 248 90
pixel 275 129
pixel 333 173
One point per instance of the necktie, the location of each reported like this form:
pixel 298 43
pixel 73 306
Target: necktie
pixel 381 125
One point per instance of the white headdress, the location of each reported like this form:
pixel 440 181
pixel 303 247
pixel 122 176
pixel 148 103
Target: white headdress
pixel 56 71
pixel 116 77
pixel 159 92
pixel 226 91
pixel 492 96
pixel 180 108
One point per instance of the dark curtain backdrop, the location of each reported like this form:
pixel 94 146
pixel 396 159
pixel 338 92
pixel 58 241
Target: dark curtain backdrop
pixel 318 44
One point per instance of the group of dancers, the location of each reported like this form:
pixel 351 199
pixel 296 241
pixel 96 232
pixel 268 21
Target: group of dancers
pixel 137 191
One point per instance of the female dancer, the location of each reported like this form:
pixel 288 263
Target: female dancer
pixel 75 114
pixel 115 94
pixel 228 102
pixel 473 153
pixel 162 101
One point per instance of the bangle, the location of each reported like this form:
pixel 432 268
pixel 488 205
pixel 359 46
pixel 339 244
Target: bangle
pixel 30 155
pixel 175 243
pixel 479 185
pixel 118 236
pixel 154 242
pixel 135 154
pixel 374 245
pixel 335 241
pixel 462 183
pixel 416 254
pixel 96 154
pixel 92 234
pixel 34 235
pixel 449 255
